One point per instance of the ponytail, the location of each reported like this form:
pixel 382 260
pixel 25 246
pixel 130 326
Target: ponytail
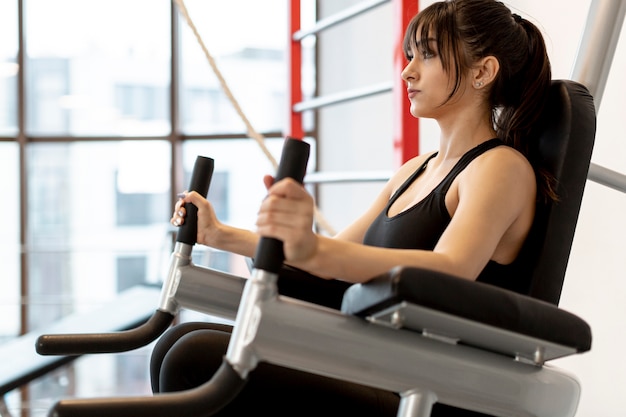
pixel 520 100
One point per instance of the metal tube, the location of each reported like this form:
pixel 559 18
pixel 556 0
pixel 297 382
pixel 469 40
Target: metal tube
pixel 593 62
pixel 417 403
pixel 342 96
pixel 607 177
pixel 347 176
pixel 199 288
pixel 598 44
pixel 210 291
pixel 181 256
pixel 337 18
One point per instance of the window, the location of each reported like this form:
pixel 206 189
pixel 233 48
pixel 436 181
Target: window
pixel 8 68
pixel 101 120
pixel 9 244
pixel 131 271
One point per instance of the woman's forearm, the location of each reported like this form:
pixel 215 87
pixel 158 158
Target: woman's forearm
pixel 236 240
pixel 354 262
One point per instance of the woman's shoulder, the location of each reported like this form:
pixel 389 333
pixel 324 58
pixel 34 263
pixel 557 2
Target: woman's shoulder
pixel 502 164
pixel 506 157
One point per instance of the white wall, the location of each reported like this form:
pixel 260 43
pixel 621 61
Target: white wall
pixel 357 137
pixel 354 136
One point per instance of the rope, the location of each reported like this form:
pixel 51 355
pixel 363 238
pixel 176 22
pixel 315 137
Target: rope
pixel 250 130
pixel 252 133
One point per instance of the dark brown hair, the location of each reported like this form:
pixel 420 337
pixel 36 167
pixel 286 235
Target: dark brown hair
pixel 465 31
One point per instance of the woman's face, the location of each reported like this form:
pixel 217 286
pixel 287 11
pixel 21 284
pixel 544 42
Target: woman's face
pixel 428 84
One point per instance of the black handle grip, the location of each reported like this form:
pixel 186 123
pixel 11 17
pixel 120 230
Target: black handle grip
pixel 293 161
pixel 200 181
pixel 205 400
pixel 78 344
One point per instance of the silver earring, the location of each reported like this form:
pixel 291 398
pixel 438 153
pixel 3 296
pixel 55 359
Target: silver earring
pixel 479 84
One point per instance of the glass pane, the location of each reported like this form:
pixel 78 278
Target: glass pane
pixel 99 375
pixel 308 18
pixel 8 68
pixel 9 244
pixel 99 222
pixel 236 189
pixel 98 68
pixel 249 53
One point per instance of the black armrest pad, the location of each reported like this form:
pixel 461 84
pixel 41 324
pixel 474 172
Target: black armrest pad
pixel 471 300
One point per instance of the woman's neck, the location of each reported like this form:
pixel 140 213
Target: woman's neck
pixel 463 132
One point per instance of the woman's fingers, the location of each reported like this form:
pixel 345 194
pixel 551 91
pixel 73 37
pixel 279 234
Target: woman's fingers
pixel 287 214
pixel 178 217
pixel 268 180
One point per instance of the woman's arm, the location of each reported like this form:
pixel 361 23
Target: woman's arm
pixel 492 205
pixel 213 233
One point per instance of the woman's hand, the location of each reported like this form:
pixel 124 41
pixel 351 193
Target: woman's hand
pixel 208 225
pixel 287 214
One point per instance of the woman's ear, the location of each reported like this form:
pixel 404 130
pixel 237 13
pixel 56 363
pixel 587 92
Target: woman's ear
pixel 485 71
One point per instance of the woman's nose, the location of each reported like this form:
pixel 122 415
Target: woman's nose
pixel 408 73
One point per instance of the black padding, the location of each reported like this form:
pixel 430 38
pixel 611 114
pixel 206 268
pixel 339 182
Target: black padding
pixel 476 301
pixel 113 342
pixel 296 283
pixel 293 162
pixel 564 147
pixel 200 182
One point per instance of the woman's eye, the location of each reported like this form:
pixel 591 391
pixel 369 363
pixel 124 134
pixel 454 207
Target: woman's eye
pixel 427 54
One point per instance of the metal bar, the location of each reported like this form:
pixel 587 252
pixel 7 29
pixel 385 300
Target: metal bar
pixel 592 65
pixel 416 403
pixel 347 177
pixel 175 141
pixel 301 342
pixel 336 98
pixel 607 177
pixel 295 71
pixel 598 44
pixel 213 292
pixel 337 18
pixel 22 140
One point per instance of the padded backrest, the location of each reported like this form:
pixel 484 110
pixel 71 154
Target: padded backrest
pixel 564 148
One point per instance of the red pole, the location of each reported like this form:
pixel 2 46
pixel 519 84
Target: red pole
pixel 295 74
pixel 406 127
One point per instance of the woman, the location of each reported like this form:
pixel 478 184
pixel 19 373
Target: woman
pixel 483 74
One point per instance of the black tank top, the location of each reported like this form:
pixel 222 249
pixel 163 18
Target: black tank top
pixel 421 226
